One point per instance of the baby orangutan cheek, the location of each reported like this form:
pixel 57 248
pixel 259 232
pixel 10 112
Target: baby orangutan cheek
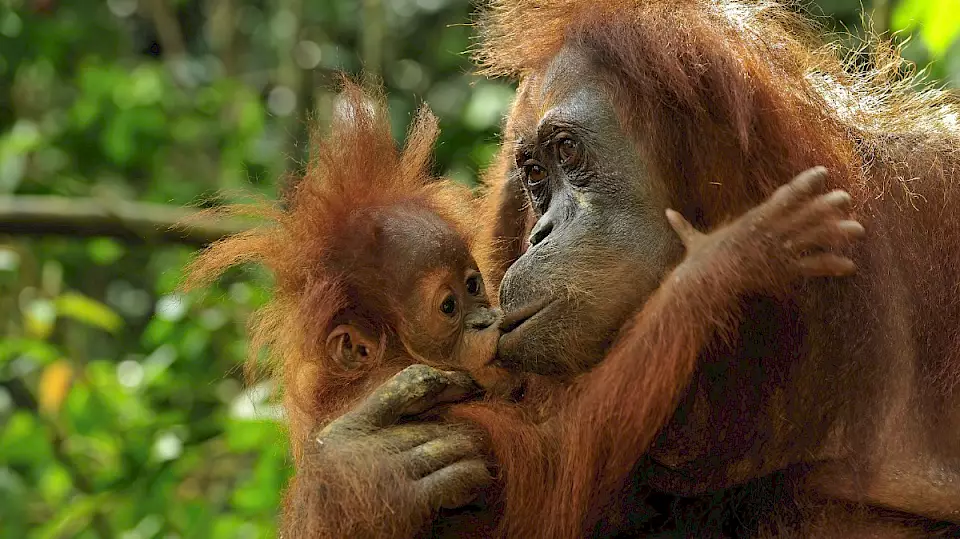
pixel 475 355
pixel 497 382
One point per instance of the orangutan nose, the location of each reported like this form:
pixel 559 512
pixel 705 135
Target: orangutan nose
pixel 482 318
pixel 543 227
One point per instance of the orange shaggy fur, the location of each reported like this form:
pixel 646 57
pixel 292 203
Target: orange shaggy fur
pixel 318 248
pixel 730 99
pixel 316 251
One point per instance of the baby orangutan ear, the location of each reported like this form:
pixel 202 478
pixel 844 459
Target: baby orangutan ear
pixel 350 346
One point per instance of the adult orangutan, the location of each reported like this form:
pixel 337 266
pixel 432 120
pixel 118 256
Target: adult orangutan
pixel 847 388
pixel 626 107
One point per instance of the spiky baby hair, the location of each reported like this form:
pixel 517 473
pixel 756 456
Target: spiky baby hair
pixel 317 244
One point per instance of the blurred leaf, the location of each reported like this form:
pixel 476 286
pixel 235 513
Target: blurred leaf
pixel 55 483
pixel 23 441
pixel 486 107
pixel 39 318
pixel 143 87
pixel 234 527
pixel 54 386
pixel 71 518
pixel 39 351
pixel 118 139
pixel 157 332
pixel 251 435
pixel 939 22
pixel 105 251
pixel 23 138
pixel 9 259
pixel 88 311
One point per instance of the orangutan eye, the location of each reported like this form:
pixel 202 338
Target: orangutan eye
pixel 474 285
pixel 449 305
pixel 534 173
pixel 568 151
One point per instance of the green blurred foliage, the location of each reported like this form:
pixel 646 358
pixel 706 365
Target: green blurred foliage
pixel 122 408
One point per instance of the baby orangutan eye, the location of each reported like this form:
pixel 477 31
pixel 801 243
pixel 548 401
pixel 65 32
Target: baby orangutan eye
pixel 449 305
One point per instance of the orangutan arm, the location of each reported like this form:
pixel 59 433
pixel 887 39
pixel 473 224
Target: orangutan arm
pixel 620 406
pixel 365 476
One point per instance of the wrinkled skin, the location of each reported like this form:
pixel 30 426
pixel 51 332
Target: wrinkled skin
pixel 381 471
pixel 814 378
pixel 444 462
pixel 601 244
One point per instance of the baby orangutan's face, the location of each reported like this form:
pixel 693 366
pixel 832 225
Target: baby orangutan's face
pixel 443 316
pixel 451 324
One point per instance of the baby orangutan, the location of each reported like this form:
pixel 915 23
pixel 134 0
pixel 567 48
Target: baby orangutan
pixel 374 273
pixel 377 281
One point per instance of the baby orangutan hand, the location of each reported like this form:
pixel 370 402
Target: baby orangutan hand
pixel 399 473
pixel 442 461
pixel 786 237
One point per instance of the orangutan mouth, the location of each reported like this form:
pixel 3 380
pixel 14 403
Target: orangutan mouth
pixel 514 319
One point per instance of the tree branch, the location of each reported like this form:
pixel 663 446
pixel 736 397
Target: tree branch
pixel 221 29
pixel 168 29
pixel 372 40
pixel 881 14
pixel 135 222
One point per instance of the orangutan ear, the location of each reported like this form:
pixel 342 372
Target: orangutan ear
pixel 350 346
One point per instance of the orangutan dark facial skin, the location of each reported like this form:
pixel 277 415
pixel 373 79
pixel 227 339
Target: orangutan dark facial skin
pixel 601 243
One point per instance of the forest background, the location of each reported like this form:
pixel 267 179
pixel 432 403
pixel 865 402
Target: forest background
pixel 123 411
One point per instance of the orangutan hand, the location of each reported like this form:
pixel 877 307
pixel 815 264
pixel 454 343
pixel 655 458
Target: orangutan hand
pixel 443 462
pixel 787 236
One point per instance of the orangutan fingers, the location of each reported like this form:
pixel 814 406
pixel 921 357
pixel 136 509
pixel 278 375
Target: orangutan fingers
pixel 453 386
pixel 827 235
pixel 803 186
pixel 826 265
pixel 402 438
pixel 454 486
pixel 411 391
pixel 838 199
pixel 833 205
pixel 688 234
pixel 439 453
